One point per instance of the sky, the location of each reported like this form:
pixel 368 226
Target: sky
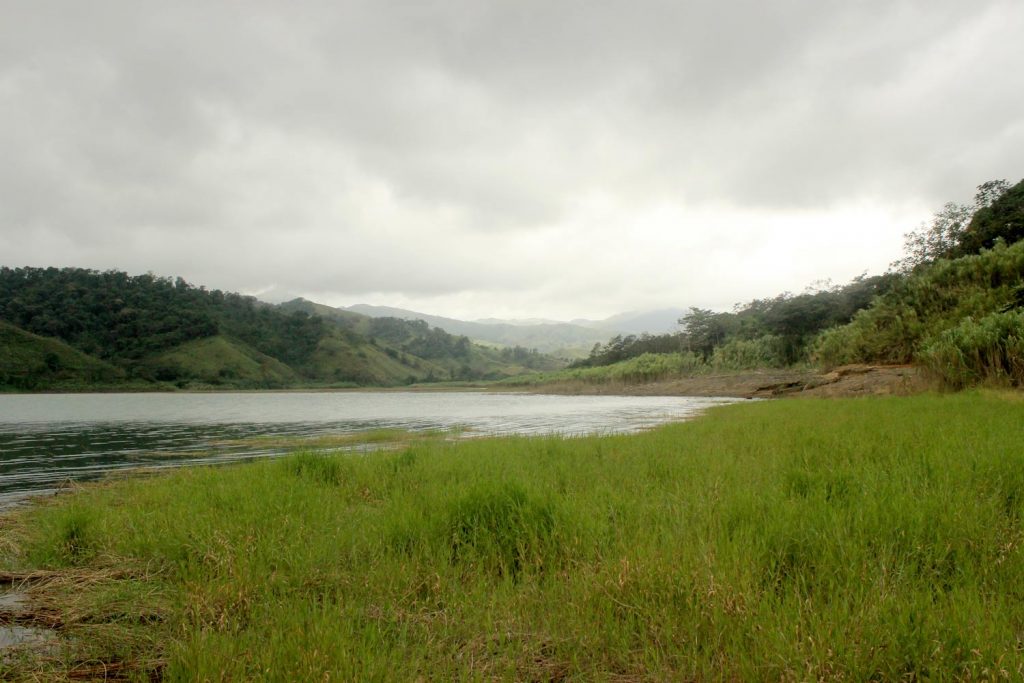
pixel 500 158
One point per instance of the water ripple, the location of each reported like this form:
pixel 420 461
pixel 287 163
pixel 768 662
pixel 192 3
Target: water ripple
pixel 48 439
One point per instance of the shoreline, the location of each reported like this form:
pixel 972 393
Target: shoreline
pixel 846 381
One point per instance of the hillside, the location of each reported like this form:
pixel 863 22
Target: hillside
pixel 962 318
pixel 28 361
pixel 219 360
pixel 428 353
pixel 74 328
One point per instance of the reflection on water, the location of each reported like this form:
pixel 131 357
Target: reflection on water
pixel 46 439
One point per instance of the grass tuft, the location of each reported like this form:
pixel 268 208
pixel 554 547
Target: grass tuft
pixel 318 467
pixel 501 529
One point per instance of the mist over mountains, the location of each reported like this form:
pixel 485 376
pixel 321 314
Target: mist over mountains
pixel 547 336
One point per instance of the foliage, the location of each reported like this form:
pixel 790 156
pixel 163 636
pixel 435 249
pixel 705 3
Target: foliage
pixel 777 331
pixel 790 329
pixel 988 349
pixel 961 230
pixel 777 540
pixel 122 318
pixel 110 315
pixel 768 351
pixel 620 348
pixel 419 339
pixel 918 308
pixel 999 216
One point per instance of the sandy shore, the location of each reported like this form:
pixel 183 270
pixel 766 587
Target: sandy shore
pixel 851 380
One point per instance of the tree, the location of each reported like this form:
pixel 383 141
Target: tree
pixel 935 240
pixel 703 329
pixel 1000 216
pixel 960 229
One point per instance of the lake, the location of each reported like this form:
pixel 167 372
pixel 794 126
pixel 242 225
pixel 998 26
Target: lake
pixel 49 439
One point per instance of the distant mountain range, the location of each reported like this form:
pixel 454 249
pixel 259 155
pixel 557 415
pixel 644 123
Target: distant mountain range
pixel 547 336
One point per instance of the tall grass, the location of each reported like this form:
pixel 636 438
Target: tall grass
pixel 767 351
pixel 871 539
pixel 918 310
pixel 737 355
pixel 990 349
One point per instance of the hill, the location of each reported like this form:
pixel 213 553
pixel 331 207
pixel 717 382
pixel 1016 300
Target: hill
pixel 431 352
pixel 28 361
pixel 218 360
pixel 110 327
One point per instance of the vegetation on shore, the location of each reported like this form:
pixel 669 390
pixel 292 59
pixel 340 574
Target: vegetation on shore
pixel 875 539
pixel 954 305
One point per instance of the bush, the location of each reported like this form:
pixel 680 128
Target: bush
pixel 988 349
pixel 919 308
pixel 750 354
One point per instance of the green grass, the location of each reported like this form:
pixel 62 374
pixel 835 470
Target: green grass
pixel 28 362
pixel 647 367
pixel 219 360
pixel 735 357
pixel 863 539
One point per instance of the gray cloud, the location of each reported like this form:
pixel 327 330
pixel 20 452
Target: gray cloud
pixel 462 153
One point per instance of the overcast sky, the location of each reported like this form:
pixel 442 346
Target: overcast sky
pixel 482 158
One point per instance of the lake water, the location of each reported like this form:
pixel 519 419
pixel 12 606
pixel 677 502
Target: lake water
pixel 48 439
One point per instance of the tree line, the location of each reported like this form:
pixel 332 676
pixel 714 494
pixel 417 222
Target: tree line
pixel 785 329
pixel 122 318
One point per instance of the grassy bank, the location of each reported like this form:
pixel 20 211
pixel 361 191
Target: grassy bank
pixel 854 539
pixel 649 367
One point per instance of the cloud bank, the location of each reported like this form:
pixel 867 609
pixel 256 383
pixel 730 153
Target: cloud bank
pixel 504 158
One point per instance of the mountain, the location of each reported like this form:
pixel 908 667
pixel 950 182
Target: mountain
pixel 556 338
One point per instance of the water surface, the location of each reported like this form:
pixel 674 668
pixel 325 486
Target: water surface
pixel 47 439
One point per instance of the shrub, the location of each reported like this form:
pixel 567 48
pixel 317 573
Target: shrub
pixel 750 354
pixel 919 308
pixel 988 349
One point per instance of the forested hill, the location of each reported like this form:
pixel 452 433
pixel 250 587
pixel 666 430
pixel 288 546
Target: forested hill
pixel 149 330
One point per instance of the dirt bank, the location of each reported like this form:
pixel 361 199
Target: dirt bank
pixel 850 380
